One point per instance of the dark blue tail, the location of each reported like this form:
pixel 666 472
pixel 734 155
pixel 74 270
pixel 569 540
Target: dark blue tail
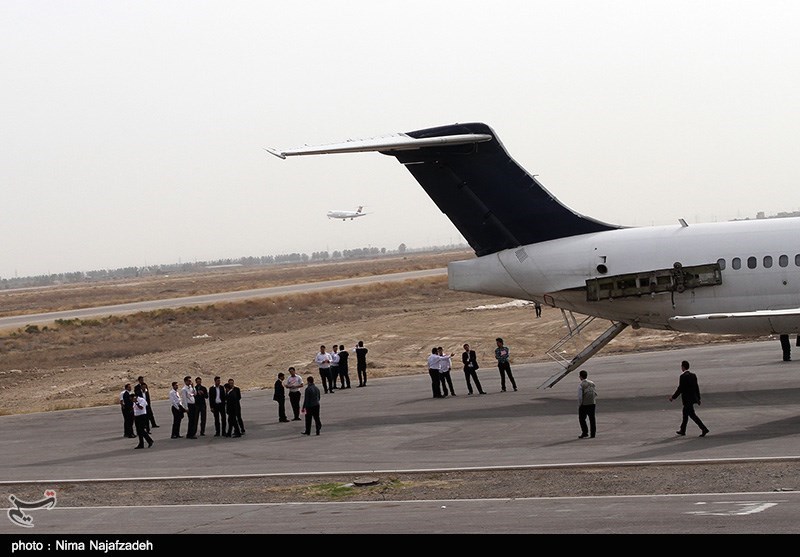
pixel 493 201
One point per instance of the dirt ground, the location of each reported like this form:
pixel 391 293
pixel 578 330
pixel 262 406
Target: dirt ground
pixel 86 363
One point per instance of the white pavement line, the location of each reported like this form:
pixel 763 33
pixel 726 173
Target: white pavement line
pixel 620 464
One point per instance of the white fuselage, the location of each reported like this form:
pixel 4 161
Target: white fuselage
pixel 344 214
pixel 555 272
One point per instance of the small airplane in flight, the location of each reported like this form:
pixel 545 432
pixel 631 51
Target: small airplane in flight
pixel 736 277
pixel 344 215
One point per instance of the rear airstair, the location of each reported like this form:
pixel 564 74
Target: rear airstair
pixel 574 329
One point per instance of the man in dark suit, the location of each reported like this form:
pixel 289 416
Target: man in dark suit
pixel 786 348
pixel 234 397
pixel 344 370
pixel 233 408
pixel 470 361
pixel 689 391
pixel 200 397
pixel 126 404
pixel 280 397
pixel 216 401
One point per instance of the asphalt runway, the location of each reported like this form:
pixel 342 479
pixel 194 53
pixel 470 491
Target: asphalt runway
pixel 750 404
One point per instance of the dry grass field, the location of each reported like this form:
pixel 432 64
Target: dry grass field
pixel 86 363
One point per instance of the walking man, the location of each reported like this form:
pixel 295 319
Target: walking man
pixel 689 390
pixel 141 389
pixel 294 383
pixel 311 404
pixel 142 422
pixel 587 395
pixel 232 407
pixel 235 395
pixel 501 353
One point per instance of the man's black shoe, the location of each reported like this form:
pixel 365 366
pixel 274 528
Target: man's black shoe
pixel 704 433
pixel 681 432
pixel 582 436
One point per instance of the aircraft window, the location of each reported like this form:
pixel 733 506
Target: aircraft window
pixel 721 263
pixel 783 261
pixel 797 260
pixel 752 262
pixel 736 263
pixel 767 261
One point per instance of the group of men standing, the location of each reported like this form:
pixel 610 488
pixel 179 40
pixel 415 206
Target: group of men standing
pixel 311 402
pixel 191 401
pixel 136 410
pixel 439 365
pixel 334 365
pixel 223 399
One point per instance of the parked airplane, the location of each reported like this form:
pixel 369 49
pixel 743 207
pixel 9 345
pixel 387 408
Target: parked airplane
pixel 738 277
pixel 344 215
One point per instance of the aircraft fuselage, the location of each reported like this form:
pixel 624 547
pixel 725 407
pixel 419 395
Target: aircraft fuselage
pixel 759 267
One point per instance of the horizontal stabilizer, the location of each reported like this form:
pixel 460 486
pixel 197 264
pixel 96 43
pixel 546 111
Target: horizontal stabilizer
pixel 492 201
pixel 388 144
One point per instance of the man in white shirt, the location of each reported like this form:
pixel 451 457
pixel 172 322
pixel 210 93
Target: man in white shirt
pixel 433 371
pixel 334 369
pixel 293 384
pixel 323 361
pixel 177 410
pixel 444 372
pixel 188 402
pixel 142 420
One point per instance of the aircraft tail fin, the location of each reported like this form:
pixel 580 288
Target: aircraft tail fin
pixel 493 202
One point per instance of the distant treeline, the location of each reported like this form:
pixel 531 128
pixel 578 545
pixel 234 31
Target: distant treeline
pixel 175 268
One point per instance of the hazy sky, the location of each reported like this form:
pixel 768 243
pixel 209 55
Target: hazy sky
pixel 131 132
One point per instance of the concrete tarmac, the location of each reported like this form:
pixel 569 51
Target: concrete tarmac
pixel 750 404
